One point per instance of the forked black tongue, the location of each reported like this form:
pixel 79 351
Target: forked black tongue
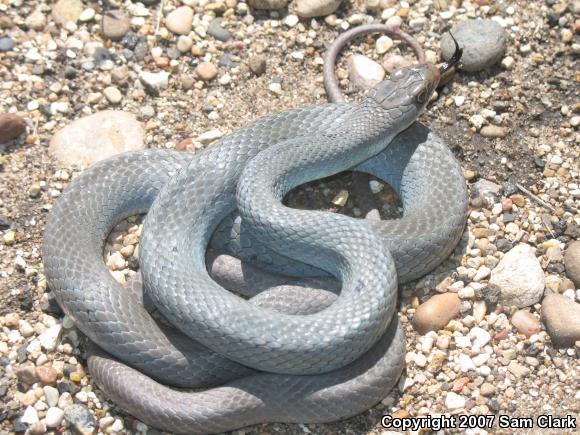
pixel 454 60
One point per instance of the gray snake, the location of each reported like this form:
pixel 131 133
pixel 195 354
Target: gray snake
pixel 264 359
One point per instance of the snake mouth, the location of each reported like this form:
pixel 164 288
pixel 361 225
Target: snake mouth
pixel 454 60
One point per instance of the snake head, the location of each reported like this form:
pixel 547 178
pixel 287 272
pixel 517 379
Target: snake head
pixel 406 92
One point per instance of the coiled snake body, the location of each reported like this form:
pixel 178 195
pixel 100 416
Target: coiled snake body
pixel 293 353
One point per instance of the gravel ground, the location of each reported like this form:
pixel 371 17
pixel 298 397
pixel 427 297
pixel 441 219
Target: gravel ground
pixel 514 123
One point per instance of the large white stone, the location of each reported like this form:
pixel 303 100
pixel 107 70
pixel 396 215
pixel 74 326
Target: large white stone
pixel 520 277
pixel 49 338
pixel 96 137
pixel 364 72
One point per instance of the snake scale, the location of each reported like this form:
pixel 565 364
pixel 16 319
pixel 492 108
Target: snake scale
pixel 318 340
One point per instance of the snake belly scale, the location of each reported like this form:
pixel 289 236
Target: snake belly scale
pixel 263 360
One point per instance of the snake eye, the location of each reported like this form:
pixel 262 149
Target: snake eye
pixel 422 96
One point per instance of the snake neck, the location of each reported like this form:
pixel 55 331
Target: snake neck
pixel 370 123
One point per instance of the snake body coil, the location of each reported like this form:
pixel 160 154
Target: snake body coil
pixel 331 358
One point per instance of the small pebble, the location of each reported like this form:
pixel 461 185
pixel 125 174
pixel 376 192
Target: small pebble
pixel 49 338
pixel 82 397
pixel 81 419
pixel 562 319
pixel 518 370
pixel 35 21
pixel 115 24
pixel 106 422
pixel 454 401
pixel 154 82
pixel 117 426
pixel 436 312
pixel 210 136
pixel 113 95
pixel 572 262
pixel 6 44
pixel 46 374
pixel 479 336
pixel 566 35
pixel 275 88
pixel 487 389
pixel 216 30
pixel 341 198
pixel 493 131
pixel 38 428
pixel 12 320
pixel 482 273
pixel 376 186
pixel 54 417
pixel 87 15
pixel 206 71
pixel 11 126
pixel 9 238
pixel 65 400
pixel 51 395
pixel 479 310
pixel 180 20
pixel 257 64
pixel 291 20
pixel 384 44
pixel 30 416
pixel 508 62
pixel 476 121
pixel 65 11
pixel 184 43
